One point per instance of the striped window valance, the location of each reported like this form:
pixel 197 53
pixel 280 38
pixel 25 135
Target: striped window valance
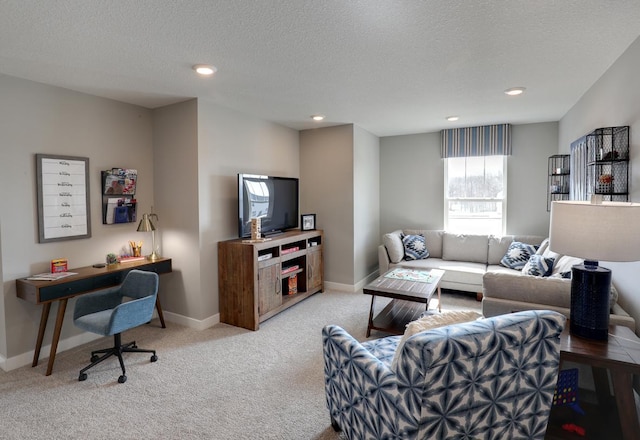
pixel 488 140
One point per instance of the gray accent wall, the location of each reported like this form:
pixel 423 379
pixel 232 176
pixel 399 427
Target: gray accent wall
pixel 366 203
pixel 339 170
pixel 612 101
pixel 37 118
pixel 412 180
pixel 187 156
pixel 327 175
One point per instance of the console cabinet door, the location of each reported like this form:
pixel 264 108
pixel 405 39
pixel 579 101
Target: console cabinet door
pixel 269 288
pixel 314 270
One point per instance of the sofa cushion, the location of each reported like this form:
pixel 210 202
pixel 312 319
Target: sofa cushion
pixel 538 266
pixel 433 238
pixel 395 249
pixel 431 321
pixel 543 247
pixel 517 255
pixel 415 247
pixel 498 246
pixel 463 247
pixel 562 266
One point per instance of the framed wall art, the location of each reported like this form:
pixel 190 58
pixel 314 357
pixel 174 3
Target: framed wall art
pixel 308 222
pixel 63 197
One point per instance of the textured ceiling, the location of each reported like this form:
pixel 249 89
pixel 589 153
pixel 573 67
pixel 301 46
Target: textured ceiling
pixel 390 67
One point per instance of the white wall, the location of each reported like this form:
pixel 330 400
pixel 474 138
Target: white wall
pixel 612 101
pixel 366 204
pixel 36 118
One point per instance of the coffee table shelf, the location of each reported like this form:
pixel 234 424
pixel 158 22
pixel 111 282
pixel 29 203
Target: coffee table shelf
pixel 409 299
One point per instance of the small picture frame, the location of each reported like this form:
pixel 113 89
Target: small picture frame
pixel 308 222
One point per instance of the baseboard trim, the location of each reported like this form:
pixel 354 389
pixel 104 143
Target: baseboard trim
pixel 64 344
pixel 196 324
pixel 328 285
pixel 8 364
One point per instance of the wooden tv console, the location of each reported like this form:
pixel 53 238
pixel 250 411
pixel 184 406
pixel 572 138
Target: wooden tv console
pixel 255 278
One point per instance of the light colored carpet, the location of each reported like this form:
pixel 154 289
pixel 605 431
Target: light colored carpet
pixel 221 383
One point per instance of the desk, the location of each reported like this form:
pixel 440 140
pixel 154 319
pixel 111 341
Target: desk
pixel 621 356
pixel 88 279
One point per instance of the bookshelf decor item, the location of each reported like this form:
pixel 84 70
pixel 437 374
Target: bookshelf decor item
pixel 308 222
pixel 63 197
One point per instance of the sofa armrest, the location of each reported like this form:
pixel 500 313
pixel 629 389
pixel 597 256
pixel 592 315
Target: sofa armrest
pixel 527 288
pixel 383 259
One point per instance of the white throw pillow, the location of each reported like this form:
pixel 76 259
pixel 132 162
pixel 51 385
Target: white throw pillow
pixel 395 249
pixel 430 322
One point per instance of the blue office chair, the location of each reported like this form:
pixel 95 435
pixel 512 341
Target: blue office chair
pixel 105 313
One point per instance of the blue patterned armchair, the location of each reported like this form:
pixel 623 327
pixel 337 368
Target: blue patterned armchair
pixel 488 379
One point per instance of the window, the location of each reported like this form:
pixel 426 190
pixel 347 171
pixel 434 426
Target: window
pixel 475 194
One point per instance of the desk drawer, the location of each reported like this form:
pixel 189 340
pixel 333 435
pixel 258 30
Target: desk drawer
pixel 72 288
pixel 108 280
pixel 158 267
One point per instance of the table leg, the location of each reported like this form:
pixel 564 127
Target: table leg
pixel 44 317
pixel 373 297
pixel 439 301
pixel 601 382
pixel 623 390
pixel 62 307
pixel 160 315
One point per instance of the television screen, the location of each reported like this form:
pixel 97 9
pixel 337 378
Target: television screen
pixel 274 200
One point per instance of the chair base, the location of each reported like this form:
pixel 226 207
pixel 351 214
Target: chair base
pixel 117 350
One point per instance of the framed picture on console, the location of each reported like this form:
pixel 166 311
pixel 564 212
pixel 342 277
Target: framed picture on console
pixel 308 222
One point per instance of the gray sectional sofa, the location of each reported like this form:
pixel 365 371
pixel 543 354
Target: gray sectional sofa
pixel 465 258
pixel 472 264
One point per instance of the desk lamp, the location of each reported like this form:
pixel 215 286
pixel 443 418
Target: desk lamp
pixel 145 225
pixel 595 230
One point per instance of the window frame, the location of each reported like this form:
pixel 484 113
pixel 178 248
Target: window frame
pixel 503 200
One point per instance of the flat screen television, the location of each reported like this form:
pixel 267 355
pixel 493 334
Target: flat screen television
pixel 272 199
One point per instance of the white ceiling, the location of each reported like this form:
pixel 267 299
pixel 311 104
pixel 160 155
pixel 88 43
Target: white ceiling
pixel 389 66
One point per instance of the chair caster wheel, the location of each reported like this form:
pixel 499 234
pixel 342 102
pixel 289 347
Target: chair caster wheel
pixel 82 377
pixel 154 358
pixel 122 379
pixel 94 358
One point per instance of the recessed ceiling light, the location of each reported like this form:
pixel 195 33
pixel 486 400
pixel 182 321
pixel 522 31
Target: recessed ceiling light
pixel 452 118
pixel 317 117
pixel 205 69
pixel 515 91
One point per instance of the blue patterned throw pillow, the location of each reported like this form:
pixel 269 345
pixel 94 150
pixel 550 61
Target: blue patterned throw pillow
pixel 415 247
pixel 517 255
pixel 538 266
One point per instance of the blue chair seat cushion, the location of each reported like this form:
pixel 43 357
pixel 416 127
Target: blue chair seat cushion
pixel 97 322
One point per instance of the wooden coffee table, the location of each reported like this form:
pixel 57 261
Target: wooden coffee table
pixel 407 293
pixel 621 356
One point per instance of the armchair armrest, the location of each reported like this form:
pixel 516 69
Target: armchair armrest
pixel 358 386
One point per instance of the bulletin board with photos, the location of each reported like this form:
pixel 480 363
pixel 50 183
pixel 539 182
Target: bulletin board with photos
pixel 118 195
